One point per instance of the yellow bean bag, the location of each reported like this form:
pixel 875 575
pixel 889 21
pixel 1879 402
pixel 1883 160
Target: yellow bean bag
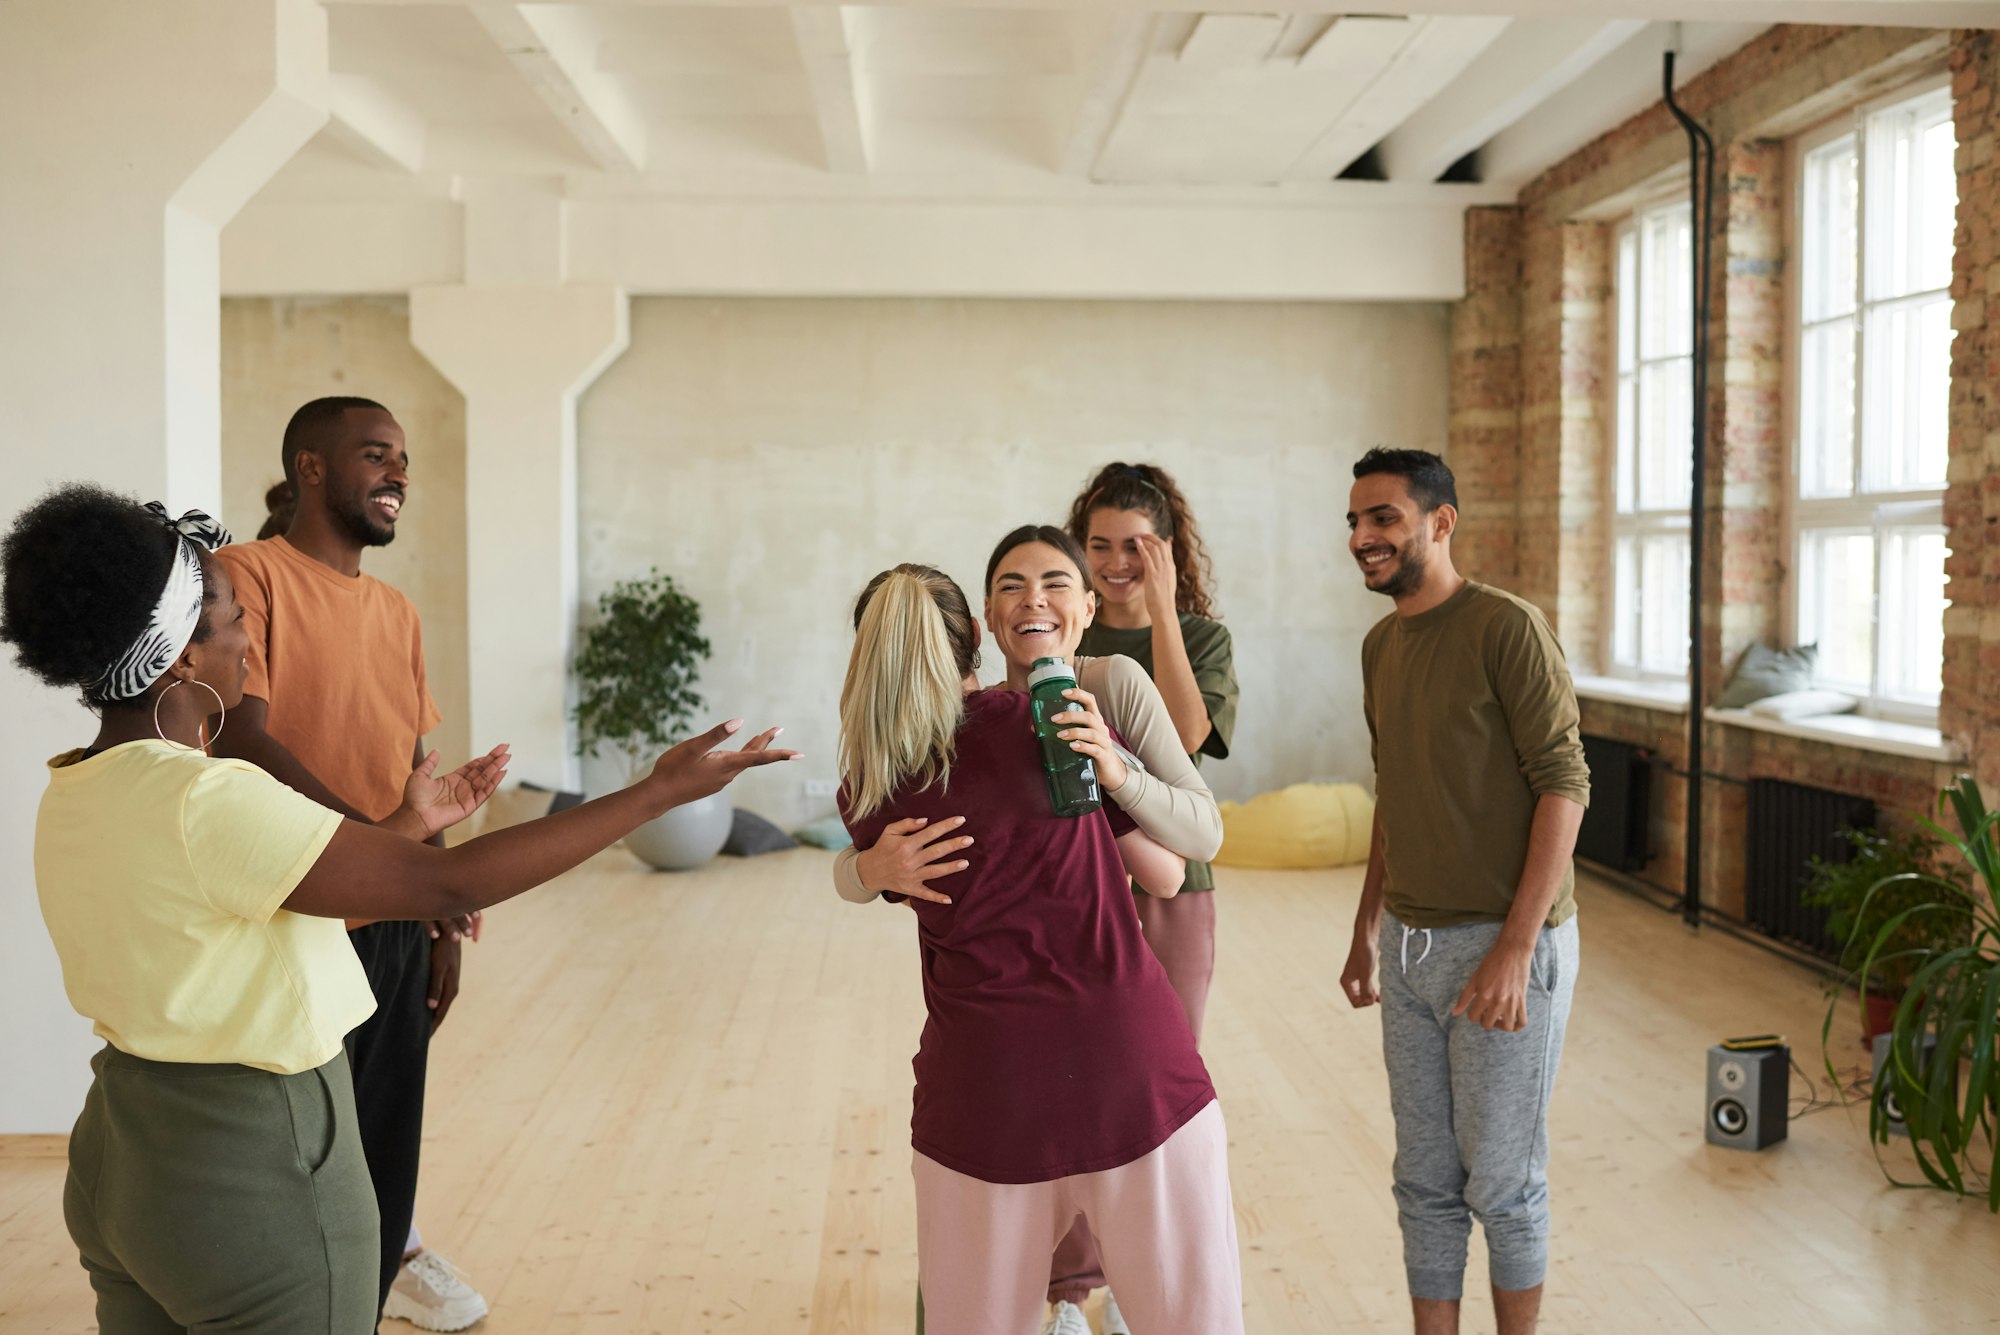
pixel 1305 825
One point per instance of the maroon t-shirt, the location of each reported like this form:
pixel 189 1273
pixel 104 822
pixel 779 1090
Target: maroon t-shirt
pixel 1055 1045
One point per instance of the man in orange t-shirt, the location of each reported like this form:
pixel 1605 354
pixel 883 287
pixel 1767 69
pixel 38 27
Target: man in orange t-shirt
pixel 336 706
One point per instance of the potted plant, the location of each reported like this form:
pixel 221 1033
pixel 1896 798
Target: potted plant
pixel 636 665
pixel 1875 884
pixel 1949 1014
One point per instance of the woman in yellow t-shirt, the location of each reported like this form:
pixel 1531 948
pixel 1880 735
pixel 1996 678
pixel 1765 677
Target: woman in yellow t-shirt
pixel 216 1178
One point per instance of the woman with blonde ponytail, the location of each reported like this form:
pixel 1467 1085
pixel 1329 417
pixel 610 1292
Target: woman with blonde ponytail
pixel 1037 982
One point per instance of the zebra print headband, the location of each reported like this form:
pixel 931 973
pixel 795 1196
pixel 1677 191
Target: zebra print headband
pixel 175 616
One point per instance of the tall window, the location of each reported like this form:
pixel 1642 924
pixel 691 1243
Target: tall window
pixel 1653 465
pixel 1877 199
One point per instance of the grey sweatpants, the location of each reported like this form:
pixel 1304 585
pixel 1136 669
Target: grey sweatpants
pixel 1471 1104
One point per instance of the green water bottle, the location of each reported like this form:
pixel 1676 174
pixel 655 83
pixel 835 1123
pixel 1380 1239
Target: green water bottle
pixel 1072 775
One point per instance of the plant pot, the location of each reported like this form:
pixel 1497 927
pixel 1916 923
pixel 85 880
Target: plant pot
pixel 685 837
pixel 1878 1016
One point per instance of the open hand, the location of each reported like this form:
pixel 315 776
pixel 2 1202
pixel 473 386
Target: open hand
pixel 1086 731
pixel 910 854
pixel 695 769
pixel 441 801
pixel 1497 995
pixel 1159 580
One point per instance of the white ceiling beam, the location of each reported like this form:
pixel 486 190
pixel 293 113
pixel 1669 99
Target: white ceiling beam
pixel 1107 82
pixel 1437 53
pixel 1889 13
pixel 1528 64
pixel 827 48
pixel 373 123
pixel 557 57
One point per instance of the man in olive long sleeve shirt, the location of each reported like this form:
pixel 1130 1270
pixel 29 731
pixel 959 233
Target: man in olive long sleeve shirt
pixel 1480 787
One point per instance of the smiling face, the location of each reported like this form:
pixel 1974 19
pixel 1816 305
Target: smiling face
pixel 1113 549
pixel 221 659
pixel 366 474
pixel 1038 605
pixel 1390 536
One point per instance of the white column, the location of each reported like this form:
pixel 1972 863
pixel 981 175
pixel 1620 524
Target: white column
pixel 521 354
pixel 134 131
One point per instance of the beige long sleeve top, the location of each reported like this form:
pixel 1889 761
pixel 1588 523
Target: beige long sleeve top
pixel 1167 799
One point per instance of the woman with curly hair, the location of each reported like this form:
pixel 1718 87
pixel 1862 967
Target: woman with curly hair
pixel 216 1179
pixel 1152 575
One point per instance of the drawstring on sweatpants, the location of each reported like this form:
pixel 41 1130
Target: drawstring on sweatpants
pixel 1408 932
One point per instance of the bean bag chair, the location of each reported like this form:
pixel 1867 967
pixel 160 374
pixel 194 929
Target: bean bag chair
pixel 1305 825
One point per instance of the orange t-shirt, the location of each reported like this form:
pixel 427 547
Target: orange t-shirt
pixel 340 662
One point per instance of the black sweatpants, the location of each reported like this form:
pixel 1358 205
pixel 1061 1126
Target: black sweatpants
pixel 388 1054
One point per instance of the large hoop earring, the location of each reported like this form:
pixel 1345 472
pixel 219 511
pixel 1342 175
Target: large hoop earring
pixel 221 710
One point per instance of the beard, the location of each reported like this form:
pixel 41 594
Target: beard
pixel 356 514
pixel 1411 567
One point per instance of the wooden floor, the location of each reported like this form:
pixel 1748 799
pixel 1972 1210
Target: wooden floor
pixel 680 1104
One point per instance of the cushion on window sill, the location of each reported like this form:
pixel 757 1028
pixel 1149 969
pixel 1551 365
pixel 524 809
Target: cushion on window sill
pixel 1763 673
pixel 1804 704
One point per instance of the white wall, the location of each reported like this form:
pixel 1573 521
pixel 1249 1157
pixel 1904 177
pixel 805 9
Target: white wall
pixel 773 454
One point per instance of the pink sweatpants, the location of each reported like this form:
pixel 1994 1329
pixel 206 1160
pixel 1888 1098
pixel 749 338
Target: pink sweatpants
pixel 1181 932
pixel 1167 1224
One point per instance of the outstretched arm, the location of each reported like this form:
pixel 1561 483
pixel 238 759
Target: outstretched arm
pixel 367 872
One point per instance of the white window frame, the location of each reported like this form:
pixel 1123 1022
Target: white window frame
pixel 1635 524
pixel 1883 513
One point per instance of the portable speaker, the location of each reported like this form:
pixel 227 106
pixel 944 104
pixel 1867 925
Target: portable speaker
pixel 1892 1110
pixel 1747 1096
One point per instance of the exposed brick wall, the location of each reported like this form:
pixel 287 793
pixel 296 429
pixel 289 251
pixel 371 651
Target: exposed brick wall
pixel 1971 709
pixel 1485 430
pixel 1783 82
pixel 1747 439
pixel 1566 291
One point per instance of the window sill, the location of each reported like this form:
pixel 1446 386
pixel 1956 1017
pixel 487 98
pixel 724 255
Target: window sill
pixel 1852 730
pixel 1670 697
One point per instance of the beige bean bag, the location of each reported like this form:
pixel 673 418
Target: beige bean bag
pixel 1305 825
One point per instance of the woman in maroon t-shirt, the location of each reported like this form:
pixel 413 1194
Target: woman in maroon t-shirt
pixel 1056 1075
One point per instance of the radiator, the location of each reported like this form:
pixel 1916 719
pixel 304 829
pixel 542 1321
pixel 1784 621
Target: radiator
pixel 1617 822
pixel 1790 824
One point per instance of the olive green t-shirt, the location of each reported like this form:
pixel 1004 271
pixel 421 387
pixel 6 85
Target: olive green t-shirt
pixel 1212 655
pixel 1473 719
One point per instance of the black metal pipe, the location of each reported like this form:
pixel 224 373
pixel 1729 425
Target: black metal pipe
pixel 1701 201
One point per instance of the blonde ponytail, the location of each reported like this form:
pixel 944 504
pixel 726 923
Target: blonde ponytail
pixel 904 698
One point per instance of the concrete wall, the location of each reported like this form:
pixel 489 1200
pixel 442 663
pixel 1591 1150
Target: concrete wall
pixel 279 353
pixel 775 454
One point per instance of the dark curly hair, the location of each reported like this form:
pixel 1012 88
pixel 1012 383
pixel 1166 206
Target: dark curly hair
pixel 80 571
pixel 1054 537
pixel 1150 490
pixel 1426 475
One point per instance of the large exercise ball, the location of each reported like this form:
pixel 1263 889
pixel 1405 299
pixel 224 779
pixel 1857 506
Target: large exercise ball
pixel 686 836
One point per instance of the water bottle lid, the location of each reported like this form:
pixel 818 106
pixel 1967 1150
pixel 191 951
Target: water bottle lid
pixel 1048 669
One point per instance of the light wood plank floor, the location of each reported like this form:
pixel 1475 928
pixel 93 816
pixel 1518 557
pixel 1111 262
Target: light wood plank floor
pixel 680 1104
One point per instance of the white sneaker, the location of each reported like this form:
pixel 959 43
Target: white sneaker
pixel 1066 1319
pixel 430 1294
pixel 1114 1320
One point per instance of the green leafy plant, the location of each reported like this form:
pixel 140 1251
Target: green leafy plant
pixel 1952 1000
pixel 1879 880
pixel 636 666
